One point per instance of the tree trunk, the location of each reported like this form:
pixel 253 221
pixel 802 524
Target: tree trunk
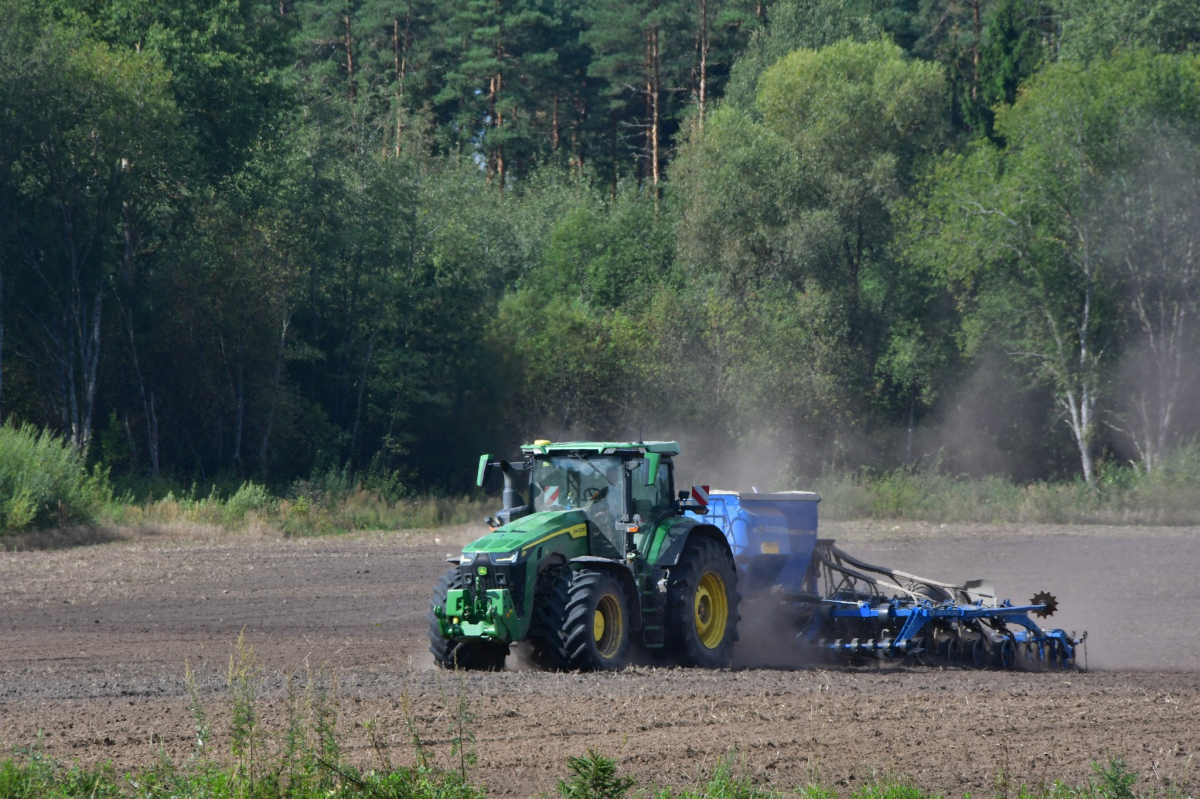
pixel 152 435
pixel 400 46
pixel 653 89
pixel 362 388
pixel 1 337
pixel 499 124
pixel 554 125
pixel 978 26
pixel 240 423
pixel 87 334
pixel 147 403
pixel 912 423
pixel 703 59
pixel 350 56
pixel 264 446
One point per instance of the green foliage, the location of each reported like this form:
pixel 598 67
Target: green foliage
pixel 1097 28
pixel 249 497
pixel 246 242
pixel 1009 56
pixel 797 25
pixel 728 781
pixel 44 481
pixel 594 776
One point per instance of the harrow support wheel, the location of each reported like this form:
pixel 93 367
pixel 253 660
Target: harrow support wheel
pixel 466 655
pixel 702 605
pixel 595 626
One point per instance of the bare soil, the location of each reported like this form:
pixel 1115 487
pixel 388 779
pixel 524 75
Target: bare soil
pixel 93 641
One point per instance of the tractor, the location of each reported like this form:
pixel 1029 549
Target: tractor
pixel 599 555
pixel 596 554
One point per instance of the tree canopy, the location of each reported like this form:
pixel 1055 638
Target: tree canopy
pixel 247 239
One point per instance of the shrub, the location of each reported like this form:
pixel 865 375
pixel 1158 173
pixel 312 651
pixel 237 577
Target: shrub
pixel 249 497
pixel 43 481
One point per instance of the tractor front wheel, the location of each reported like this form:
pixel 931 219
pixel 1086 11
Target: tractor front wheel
pixel 702 605
pixel 466 655
pixel 595 628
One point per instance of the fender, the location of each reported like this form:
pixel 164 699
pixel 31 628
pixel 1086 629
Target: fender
pixel 677 538
pixel 619 570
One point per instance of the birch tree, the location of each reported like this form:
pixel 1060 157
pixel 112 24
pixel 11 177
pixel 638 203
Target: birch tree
pixel 1026 231
pixel 89 130
pixel 1157 253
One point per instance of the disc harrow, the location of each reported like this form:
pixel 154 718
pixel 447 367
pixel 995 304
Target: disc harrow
pixel 843 607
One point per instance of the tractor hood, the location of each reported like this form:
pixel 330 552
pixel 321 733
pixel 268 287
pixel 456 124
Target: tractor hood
pixel 531 530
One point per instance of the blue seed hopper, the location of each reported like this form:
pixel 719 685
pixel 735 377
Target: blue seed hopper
pixel 841 606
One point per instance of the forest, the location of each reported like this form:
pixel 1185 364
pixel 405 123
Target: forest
pixel 271 240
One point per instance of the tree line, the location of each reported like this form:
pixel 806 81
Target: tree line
pixel 266 240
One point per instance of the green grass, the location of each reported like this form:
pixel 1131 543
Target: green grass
pixel 590 776
pixel 1120 495
pixel 328 504
pixel 302 512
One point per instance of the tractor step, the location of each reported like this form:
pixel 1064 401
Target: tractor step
pixel 653 628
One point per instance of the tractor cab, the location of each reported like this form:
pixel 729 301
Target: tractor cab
pixel 610 486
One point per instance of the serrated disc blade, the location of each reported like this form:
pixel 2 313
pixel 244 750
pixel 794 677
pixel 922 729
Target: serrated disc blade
pixel 1047 599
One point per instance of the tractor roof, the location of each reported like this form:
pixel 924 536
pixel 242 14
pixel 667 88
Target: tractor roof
pixel 543 447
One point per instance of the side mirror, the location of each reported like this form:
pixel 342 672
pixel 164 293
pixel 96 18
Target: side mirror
pixel 485 469
pixel 652 461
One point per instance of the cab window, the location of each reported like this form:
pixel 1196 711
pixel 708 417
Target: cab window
pixel 650 499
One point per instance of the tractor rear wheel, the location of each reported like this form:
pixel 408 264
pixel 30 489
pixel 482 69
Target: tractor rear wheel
pixel 595 626
pixel 702 605
pixel 466 655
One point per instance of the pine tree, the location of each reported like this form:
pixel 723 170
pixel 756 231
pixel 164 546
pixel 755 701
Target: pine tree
pixel 1010 53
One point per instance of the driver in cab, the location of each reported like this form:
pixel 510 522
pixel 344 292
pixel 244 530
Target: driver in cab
pixel 603 503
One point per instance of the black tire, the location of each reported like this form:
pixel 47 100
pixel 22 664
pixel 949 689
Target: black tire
pixel 545 641
pixel 595 625
pixel 701 561
pixel 466 655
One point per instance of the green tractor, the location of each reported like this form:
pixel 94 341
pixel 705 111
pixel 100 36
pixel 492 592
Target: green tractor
pixel 598 558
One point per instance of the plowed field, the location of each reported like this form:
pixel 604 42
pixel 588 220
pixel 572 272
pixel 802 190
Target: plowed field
pixel 93 641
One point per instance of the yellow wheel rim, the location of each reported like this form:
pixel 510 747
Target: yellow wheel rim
pixel 712 610
pixel 608 626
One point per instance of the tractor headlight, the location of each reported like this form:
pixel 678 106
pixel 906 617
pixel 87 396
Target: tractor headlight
pixel 468 558
pixel 505 559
